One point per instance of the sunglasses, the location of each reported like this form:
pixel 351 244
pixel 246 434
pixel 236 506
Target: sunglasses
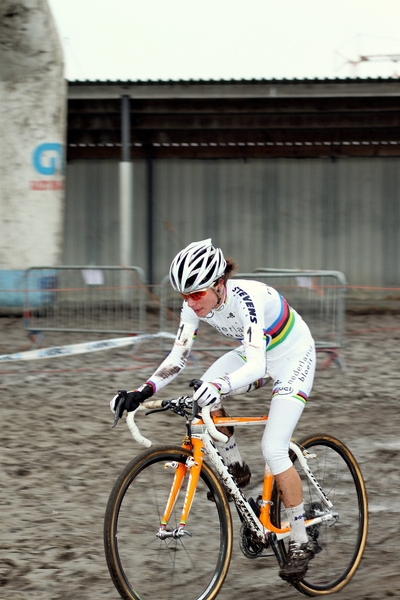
pixel 195 295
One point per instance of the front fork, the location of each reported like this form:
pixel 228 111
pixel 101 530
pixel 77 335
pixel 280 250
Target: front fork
pixel 194 463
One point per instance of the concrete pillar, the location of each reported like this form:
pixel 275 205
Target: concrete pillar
pixel 32 142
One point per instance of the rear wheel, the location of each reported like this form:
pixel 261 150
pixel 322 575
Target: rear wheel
pixel 142 566
pixel 340 543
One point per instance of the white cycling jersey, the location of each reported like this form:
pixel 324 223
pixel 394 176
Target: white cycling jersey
pixel 266 327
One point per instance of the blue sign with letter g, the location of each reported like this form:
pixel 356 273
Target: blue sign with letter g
pixel 47 158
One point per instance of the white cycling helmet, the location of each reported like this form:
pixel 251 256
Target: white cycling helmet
pixel 196 267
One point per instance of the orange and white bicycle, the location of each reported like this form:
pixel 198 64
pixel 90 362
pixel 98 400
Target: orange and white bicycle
pixel 162 532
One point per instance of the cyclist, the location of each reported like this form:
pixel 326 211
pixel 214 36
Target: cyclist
pixel 275 343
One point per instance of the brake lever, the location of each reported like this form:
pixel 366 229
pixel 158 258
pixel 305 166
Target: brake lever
pixel 195 384
pixel 195 411
pixel 117 409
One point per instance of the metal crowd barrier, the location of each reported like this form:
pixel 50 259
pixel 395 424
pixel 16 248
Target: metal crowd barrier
pixel 318 296
pixel 85 299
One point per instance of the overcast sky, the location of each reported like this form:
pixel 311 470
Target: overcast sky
pixel 227 39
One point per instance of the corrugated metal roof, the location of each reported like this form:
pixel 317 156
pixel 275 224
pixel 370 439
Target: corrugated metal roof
pixel 235 88
pixel 283 80
pixel 191 119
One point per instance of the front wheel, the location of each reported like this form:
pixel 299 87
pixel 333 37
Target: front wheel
pixel 142 566
pixel 340 543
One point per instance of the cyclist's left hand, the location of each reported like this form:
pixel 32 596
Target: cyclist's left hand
pixel 207 393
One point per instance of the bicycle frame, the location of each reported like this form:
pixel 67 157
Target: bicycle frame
pixel 201 444
pixel 133 520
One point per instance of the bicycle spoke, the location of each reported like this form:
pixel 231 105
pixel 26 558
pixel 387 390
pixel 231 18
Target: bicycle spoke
pixel 140 563
pixel 339 542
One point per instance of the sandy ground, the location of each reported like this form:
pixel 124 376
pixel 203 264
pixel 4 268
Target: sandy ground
pixel 60 458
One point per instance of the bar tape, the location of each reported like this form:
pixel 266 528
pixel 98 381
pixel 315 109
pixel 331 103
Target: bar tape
pixel 82 348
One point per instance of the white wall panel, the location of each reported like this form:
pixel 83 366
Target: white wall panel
pixel 341 214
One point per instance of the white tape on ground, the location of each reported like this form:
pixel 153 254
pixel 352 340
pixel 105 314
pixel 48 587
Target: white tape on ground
pixel 82 348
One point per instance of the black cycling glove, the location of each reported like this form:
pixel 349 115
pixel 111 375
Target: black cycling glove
pixel 130 401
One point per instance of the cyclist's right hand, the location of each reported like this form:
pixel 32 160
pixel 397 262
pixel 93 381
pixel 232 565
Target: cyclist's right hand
pixel 130 401
pixel 205 393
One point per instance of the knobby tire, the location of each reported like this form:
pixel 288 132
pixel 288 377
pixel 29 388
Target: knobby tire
pixel 143 567
pixel 341 543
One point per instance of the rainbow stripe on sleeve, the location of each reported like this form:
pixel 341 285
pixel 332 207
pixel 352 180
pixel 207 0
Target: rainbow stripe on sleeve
pixel 281 327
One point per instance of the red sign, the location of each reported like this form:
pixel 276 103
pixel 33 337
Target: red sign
pixel 47 185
